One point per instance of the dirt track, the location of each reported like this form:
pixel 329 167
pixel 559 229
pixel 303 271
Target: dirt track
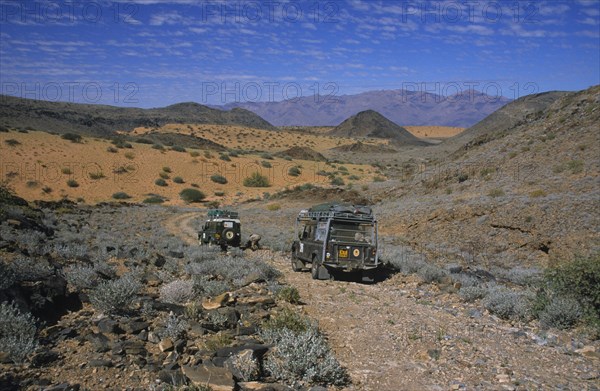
pixel 401 335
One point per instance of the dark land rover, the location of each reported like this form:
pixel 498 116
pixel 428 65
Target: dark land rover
pixel 222 228
pixel 336 237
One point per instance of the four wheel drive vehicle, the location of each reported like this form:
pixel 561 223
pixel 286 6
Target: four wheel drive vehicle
pixel 336 237
pixel 222 228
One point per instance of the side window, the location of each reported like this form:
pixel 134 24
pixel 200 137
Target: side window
pixel 321 231
pixel 308 232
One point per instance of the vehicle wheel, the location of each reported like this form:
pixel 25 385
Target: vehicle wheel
pixel 314 269
pixel 228 235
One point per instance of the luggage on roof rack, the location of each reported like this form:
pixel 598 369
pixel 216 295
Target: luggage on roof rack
pixel 215 213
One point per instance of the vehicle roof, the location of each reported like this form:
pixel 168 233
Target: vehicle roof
pixel 220 220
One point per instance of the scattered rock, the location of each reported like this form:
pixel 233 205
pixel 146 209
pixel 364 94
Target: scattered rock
pixel 166 345
pixel 219 379
pixel 216 302
pixel 100 363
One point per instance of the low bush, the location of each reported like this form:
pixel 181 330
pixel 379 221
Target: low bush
pixel 178 179
pixel 96 175
pixel 579 279
pixel 256 180
pixel 303 356
pixel 177 292
pixel 337 181
pixel 294 171
pixel 508 304
pixel 561 313
pixel 177 148
pixel 430 273
pixel 115 296
pixel 154 200
pixel 17 333
pixel 289 294
pixel 472 293
pixel 192 195
pixel 206 287
pixel 72 137
pixel 72 183
pixel 218 179
pixel 121 196
pixel 160 182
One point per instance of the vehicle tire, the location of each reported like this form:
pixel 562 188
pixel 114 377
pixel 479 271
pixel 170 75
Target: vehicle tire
pixel 228 235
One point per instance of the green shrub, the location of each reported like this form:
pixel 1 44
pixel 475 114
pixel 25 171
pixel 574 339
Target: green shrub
pixel 579 279
pixel 177 148
pixel 178 179
pixel 158 146
pixel 160 182
pixel 287 319
pixel 17 333
pixel 192 195
pixel 194 153
pixel 154 200
pixel 121 196
pixel 96 175
pixel 224 157
pixel 218 179
pixel 289 294
pixel 163 175
pixel 378 178
pixel 66 171
pixel 72 183
pixel 177 292
pixel 219 193
pixel 266 164
pixel 257 180
pixel 112 149
pixel 294 171
pixel 167 169
pixel 337 181
pixel 266 155
pixel 72 137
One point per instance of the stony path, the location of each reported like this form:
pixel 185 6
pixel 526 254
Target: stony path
pixel 401 335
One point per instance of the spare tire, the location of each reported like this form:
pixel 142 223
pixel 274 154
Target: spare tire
pixel 228 235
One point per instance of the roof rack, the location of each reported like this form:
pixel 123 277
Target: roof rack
pixel 346 212
pixel 216 213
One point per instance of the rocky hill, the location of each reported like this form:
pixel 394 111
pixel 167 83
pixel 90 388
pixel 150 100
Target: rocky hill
pixel 400 106
pixel 370 123
pixel 520 194
pixel 102 120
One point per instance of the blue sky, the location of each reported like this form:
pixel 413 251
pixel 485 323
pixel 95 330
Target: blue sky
pixel 151 53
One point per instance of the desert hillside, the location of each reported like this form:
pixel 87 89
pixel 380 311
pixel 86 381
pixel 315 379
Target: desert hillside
pixel 520 195
pixel 39 165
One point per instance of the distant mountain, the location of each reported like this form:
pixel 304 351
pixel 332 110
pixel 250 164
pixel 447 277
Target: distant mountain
pixel 370 123
pixel 400 106
pixel 102 120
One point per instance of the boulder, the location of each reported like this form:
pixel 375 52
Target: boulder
pixel 217 378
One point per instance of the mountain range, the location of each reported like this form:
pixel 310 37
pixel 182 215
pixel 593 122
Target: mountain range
pixel 401 106
pixel 102 120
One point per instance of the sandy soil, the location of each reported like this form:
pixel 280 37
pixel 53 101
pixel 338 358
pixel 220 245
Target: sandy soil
pixel 41 164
